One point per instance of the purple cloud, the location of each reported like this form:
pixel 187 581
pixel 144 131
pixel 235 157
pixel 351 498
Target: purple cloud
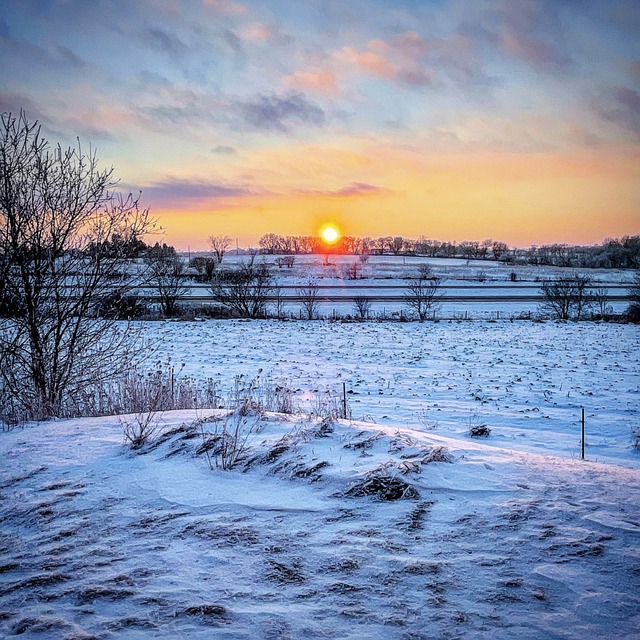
pixel 272 112
pixel 622 108
pixel 177 192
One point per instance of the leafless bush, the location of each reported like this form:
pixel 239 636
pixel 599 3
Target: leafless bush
pixel 259 394
pixel 329 405
pixel 424 293
pixel 226 444
pixel 278 298
pixel 424 418
pixel 140 428
pixel 166 279
pixel 244 290
pixel 308 295
pixel 362 306
pixel 477 428
pixel 633 310
pixel 566 297
pixel 286 261
pixel 352 271
pixel 600 297
pixel 381 485
pixel 437 454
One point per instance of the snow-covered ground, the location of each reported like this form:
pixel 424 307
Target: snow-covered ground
pixel 100 542
pixel 509 536
pixel 526 380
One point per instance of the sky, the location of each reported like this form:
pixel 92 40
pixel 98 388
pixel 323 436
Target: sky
pixel 517 120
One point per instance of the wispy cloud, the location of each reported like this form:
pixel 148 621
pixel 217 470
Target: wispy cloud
pixel 355 189
pixel 321 82
pixel 229 7
pixel 271 34
pixel 621 107
pixel 163 41
pixel 272 112
pixel 224 150
pixel 174 192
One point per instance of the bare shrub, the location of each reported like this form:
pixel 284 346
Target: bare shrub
pixel 352 271
pixel 227 445
pixel 285 261
pixel 166 277
pixel 362 306
pixel 329 405
pixel 140 428
pixel 381 485
pixel 244 290
pixel 477 428
pixel 566 297
pixel 308 295
pixel 600 297
pixel 633 310
pixel 278 297
pixel 424 418
pixel 437 454
pixel 424 293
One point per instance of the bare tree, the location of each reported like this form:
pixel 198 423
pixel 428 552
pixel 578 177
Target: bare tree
pixel 424 293
pixel 58 217
pixel 278 298
pixel 286 261
pixel 352 270
pixel 308 295
pixel 362 306
pixel 167 279
pixel 244 290
pixel 633 311
pixel 600 298
pixel 204 266
pixel 219 246
pixel 566 297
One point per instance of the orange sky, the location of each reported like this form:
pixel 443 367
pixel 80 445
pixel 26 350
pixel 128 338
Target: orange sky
pixel 521 199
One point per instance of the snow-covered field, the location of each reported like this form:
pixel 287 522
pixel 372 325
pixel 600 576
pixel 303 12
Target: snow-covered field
pixel 526 380
pixel 470 288
pixel 509 536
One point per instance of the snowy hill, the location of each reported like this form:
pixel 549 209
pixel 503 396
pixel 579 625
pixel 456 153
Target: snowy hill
pixel 324 529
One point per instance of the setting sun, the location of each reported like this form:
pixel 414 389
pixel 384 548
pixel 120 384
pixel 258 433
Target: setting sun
pixel 329 233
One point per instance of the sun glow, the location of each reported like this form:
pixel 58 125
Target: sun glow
pixel 329 233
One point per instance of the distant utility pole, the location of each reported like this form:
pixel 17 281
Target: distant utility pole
pixel 237 248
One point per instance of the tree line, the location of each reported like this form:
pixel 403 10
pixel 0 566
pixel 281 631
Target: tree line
pixel 613 253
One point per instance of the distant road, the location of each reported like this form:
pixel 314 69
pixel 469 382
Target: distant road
pixel 395 294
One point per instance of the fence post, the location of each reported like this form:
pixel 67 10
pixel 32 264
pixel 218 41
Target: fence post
pixel 582 432
pixel 344 400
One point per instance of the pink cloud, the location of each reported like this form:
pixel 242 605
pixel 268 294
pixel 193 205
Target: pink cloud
pixel 535 52
pixel 266 34
pixel 322 82
pixel 230 7
pixel 371 62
